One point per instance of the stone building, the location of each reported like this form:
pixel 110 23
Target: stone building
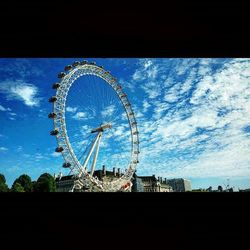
pixel 71 183
pixel 68 183
pixel 105 175
pixel 164 186
pixel 150 184
pixel 179 184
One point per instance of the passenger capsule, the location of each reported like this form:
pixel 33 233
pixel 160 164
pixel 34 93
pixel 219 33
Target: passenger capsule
pixel 52 99
pixel 54 132
pixel 59 149
pixel 136 152
pixel 123 95
pixel 66 165
pixel 52 115
pixel 100 67
pixel 136 133
pixel 92 63
pixel 136 161
pixel 118 87
pixel 61 75
pixel 68 67
pixel 76 63
pixel 55 86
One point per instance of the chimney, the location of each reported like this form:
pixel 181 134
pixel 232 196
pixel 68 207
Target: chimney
pixel 119 172
pixel 103 170
pixel 114 171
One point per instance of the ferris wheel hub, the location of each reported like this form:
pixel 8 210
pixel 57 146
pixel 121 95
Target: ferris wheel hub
pixel 102 128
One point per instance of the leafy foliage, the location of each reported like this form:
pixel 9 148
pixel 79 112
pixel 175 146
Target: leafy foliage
pixel 2 178
pixel 3 185
pixel 45 183
pixel 17 187
pixel 25 181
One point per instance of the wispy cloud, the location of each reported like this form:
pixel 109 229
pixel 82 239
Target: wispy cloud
pixel 22 91
pixel 55 154
pixel 2 108
pixel 80 116
pixel 71 109
pixel 199 111
pixel 19 149
pixel 108 111
pixel 2 149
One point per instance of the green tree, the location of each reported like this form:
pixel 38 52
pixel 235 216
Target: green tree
pixel 45 183
pixel 25 181
pixel 2 178
pixel 3 185
pixel 17 187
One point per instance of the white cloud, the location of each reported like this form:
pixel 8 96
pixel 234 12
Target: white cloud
pixel 219 107
pixel 3 149
pixel 39 156
pixel 108 111
pixel 20 90
pixel 80 116
pixel 153 89
pixel 19 149
pixel 146 106
pixel 147 70
pixel 138 76
pixel 71 109
pixel 55 154
pixel 2 108
pixel 127 84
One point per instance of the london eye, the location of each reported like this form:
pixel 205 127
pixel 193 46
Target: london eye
pixel 94 125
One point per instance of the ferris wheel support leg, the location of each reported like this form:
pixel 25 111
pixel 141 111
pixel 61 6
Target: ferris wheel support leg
pixel 89 154
pixel 96 154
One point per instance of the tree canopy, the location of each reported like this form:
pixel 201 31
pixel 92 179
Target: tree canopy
pixel 3 185
pixel 25 181
pixel 17 187
pixel 2 178
pixel 45 183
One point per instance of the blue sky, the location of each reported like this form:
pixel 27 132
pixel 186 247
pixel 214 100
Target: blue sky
pixel 193 117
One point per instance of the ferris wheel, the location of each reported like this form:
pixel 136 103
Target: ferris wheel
pixel 95 126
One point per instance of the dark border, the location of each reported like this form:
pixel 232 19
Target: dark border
pixel 129 29
pixel 111 220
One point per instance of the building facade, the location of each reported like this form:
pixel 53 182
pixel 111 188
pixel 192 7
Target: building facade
pixel 150 184
pixel 71 183
pixel 179 185
pixel 68 183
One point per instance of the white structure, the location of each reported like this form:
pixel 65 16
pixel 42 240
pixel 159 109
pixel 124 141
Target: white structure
pixel 67 79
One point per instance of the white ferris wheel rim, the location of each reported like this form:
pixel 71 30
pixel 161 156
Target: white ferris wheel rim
pixel 62 137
